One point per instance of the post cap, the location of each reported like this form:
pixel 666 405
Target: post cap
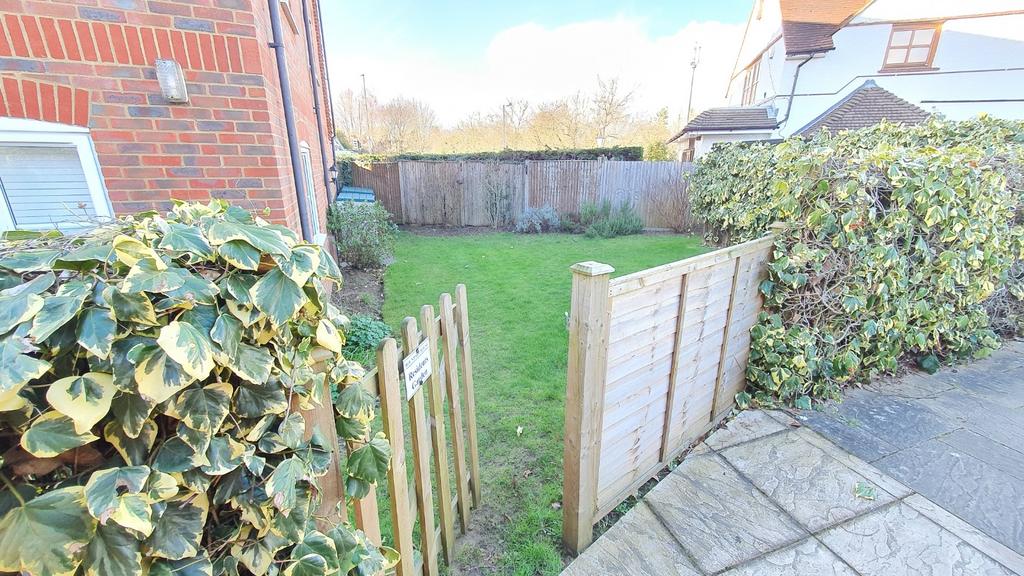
pixel 591 268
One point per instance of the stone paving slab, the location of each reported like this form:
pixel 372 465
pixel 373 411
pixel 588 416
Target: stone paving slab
pixel 748 425
pixel 719 517
pixel 637 545
pixel 988 451
pixel 986 497
pixel 813 487
pixel 898 540
pixel 803 558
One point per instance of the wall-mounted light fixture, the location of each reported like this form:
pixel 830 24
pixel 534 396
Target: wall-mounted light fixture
pixel 172 81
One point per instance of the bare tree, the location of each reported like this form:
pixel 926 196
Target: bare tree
pixel 407 125
pixel 611 109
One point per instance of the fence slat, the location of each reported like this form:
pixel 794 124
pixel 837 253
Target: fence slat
pixel 466 355
pixel 588 348
pixel 725 339
pixel 437 435
pixel 398 483
pixel 449 341
pixel 421 455
pixel 673 373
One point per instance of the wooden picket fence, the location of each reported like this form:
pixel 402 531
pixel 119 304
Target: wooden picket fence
pixel 655 361
pixel 450 358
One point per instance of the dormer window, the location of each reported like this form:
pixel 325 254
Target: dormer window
pixel 750 79
pixel 912 45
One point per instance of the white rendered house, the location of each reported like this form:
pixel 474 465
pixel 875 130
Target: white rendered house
pixel 843 64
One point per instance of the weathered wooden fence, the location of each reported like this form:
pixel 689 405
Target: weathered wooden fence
pixel 475 193
pixel 447 335
pixel 655 360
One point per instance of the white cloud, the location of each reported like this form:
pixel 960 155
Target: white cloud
pixel 537 63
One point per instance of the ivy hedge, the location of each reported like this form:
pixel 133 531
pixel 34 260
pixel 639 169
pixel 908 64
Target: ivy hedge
pixel 155 370
pixel 898 242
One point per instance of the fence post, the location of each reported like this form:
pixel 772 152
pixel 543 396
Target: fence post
pixel 462 323
pixel 398 482
pixel 587 367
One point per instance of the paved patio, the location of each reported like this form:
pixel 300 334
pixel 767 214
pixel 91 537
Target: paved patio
pixel 917 475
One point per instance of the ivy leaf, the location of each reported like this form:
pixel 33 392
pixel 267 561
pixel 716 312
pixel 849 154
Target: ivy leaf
pixel 48 535
pixel 227 333
pixel 86 258
pixel 158 376
pixel 252 363
pixel 30 260
pixel 18 368
pixel 309 565
pixel 133 450
pixel 181 238
pixel 56 312
pixel 203 408
pixel 237 286
pixel 131 251
pixel 929 363
pixel 277 296
pixel 188 347
pixel 18 308
pixel 257 554
pixel 132 412
pixel 175 455
pixel 113 550
pixel 301 265
pixel 371 461
pixel 315 542
pixel 96 330
pixel 85 399
pixel 264 238
pixel 255 400
pixel 195 566
pixel 224 455
pixel 176 535
pixel 117 494
pixel 240 254
pixel 355 402
pixel 328 337
pixel 148 276
pixel 281 484
pixel 52 434
pixel 131 307
pixel 195 289
pixel 291 430
pixel 328 268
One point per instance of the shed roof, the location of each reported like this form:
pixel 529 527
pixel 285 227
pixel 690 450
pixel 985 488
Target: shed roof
pixel 731 118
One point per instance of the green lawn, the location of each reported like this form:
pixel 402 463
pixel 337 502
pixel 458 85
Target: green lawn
pixel 518 300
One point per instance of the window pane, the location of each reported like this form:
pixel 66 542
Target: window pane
pixel 896 56
pixel 900 38
pixel 918 55
pixel 923 37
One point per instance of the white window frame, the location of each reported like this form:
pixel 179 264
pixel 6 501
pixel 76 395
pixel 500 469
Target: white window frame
pixel 310 185
pixel 24 132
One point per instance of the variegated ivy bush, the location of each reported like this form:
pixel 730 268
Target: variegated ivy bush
pixel 899 241
pixel 153 374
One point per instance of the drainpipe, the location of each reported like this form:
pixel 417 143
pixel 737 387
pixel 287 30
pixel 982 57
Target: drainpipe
pixel 792 91
pixel 289 120
pixel 315 80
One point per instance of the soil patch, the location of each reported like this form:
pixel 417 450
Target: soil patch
pixel 361 293
pixel 449 230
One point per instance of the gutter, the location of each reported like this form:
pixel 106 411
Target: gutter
pixel 315 81
pixel 289 120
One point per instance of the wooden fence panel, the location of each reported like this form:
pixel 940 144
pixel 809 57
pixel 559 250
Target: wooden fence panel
pixel 655 360
pixel 383 179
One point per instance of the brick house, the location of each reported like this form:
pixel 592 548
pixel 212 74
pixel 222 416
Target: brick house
pixel 86 125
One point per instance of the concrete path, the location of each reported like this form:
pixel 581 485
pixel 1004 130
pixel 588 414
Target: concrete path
pixel 917 475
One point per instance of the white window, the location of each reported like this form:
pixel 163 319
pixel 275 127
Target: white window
pixel 49 177
pixel 307 178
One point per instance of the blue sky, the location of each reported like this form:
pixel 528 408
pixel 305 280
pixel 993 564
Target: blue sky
pixel 464 57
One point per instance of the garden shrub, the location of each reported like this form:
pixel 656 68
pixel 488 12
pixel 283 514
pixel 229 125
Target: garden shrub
pixel 154 372
pixel 364 234
pixel 896 241
pixel 538 221
pixel 609 223
pixel 365 333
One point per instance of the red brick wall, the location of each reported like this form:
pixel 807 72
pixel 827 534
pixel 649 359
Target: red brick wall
pixel 90 62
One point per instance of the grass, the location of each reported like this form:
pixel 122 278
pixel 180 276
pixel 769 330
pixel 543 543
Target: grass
pixel 518 300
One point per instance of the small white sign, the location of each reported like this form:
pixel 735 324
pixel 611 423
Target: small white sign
pixel 417 368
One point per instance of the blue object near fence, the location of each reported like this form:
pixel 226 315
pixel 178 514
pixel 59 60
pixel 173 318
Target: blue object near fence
pixel 354 194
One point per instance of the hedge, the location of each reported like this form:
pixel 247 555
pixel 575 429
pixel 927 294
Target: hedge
pixel 900 242
pixel 154 373
pixel 608 153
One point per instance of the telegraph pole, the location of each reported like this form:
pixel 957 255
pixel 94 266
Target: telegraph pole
pixel 693 74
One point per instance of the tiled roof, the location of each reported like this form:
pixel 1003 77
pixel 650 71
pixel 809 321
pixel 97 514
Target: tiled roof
pixel 808 25
pixel 730 118
pixel 867 105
